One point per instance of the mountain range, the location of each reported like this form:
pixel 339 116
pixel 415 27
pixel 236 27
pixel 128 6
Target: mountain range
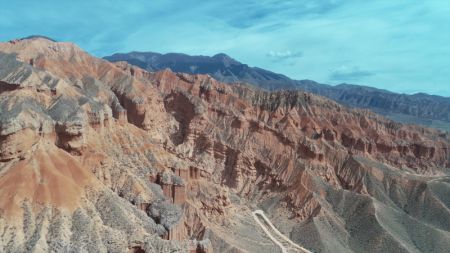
pixel 105 157
pixel 423 109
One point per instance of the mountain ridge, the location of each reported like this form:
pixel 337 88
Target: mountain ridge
pixel 432 110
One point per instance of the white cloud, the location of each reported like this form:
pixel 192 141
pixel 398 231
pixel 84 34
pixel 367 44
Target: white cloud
pixel 348 73
pixel 282 55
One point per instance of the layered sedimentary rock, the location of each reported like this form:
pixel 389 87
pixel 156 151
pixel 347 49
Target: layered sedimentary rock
pixel 103 157
pixel 64 171
pixel 420 108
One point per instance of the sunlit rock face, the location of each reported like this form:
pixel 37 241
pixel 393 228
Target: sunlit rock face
pixel 103 157
pixel 420 108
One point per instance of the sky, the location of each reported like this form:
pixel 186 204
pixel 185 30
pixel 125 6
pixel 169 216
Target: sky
pixel 398 45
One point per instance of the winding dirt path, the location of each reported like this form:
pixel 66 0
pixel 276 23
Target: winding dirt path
pixel 285 244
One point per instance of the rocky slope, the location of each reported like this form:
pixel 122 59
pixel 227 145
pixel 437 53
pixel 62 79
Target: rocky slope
pixel 423 109
pixel 102 157
pixel 221 66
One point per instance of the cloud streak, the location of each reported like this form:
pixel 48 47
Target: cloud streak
pixel 280 56
pixel 345 73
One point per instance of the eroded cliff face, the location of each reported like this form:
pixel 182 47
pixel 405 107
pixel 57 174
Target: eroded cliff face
pixel 77 154
pixel 422 109
pixel 117 159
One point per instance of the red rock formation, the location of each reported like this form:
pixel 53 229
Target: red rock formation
pixel 173 185
pixel 193 173
pixel 183 173
pixel 177 232
pixel 179 194
pixel 232 147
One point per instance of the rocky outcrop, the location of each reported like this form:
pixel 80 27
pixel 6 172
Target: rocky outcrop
pixel 173 187
pixel 119 112
pixel 22 124
pixel 70 124
pixel 170 216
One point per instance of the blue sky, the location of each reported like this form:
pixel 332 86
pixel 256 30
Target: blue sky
pixel 399 45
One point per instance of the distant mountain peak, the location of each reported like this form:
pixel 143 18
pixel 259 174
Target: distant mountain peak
pixel 222 56
pixel 226 59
